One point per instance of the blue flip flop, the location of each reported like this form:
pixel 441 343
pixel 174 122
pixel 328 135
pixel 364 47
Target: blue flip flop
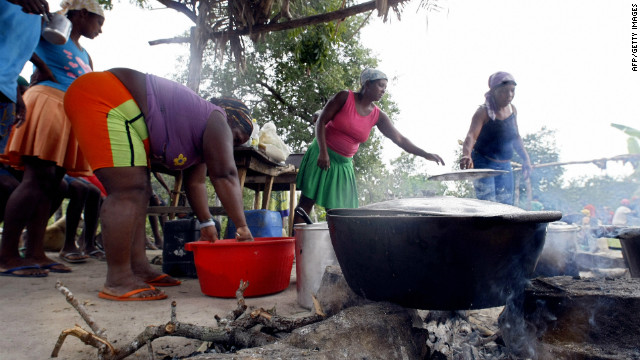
pixel 51 268
pixel 11 272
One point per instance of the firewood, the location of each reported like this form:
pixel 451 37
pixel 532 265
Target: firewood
pixel 236 329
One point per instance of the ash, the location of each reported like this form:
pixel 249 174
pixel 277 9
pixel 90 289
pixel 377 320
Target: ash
pixel 465 335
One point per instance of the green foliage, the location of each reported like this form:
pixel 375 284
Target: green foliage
pixel 292 74
pixel 461 189
pixel 542 149
pixel 634 136
pixel 597 190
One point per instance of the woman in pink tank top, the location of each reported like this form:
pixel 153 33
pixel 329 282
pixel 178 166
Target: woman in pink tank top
pixel 326 175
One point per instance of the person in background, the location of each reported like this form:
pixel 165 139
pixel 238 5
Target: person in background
pixel 326 175
pixel 9 177
pixel 536 205
pixel 605 215
pixel 21 25
pixel 44 146
pixel 84 197
pixel 491 140
pixel 125 121
pixel 622 213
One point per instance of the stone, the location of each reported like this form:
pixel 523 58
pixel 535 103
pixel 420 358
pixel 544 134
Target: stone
pixel 563 315
pixel 335 294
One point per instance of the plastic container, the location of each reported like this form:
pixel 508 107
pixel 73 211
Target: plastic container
pixel 175 260
pixel 314 253
pixel 262 223
pixel 265 263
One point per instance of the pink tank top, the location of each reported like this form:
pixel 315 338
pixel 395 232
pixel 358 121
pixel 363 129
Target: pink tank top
pixel 348 129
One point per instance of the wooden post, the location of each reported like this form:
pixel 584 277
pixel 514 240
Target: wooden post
pixel 266 193
pixel 175 195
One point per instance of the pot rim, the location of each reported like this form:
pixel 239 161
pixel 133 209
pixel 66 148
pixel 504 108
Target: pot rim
pixel 524 216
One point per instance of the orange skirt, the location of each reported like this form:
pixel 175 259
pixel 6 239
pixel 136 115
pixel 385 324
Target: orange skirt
pixel 46 134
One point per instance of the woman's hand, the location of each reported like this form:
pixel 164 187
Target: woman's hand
pixel 466 163
pixel 208 233
pixel 435 158
pixel 32 6
pixel 526 171
pixel 243 234
pixel 21 111
pixel 323 161
pixel 40 75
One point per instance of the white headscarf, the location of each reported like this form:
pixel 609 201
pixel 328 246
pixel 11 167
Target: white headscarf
pixel 91 6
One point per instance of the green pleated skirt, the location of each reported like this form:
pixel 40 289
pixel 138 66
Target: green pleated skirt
pixel 333 188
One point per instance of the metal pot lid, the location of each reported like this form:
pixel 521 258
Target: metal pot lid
pixel 448 206
pixel 467 174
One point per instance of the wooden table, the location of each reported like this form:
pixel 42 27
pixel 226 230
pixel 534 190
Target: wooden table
pixel 256 171
pixel 259 173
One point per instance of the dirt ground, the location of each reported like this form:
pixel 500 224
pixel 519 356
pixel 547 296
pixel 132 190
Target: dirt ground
pixel 34 313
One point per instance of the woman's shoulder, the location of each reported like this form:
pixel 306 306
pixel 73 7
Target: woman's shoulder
pixel 342 95
pixel 481 112
pixel 340 98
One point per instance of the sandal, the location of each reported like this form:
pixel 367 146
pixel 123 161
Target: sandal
pixel 74 257
pixel 98 255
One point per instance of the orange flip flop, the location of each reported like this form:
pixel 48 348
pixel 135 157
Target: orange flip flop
pixel 128 296
pixel 158 281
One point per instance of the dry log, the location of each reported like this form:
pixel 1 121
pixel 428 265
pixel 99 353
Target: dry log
pixel 237 330
pixel 80 309
pixel 242 307
pixel 86 337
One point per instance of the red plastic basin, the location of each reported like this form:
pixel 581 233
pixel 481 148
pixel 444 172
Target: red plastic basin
pixel 265 263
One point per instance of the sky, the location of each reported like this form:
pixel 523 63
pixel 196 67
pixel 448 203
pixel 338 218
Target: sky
pixel 571 60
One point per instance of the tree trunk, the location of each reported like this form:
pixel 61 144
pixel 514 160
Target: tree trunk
pixel 197 46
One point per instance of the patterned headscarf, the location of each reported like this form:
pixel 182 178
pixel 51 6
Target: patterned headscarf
pixel 237 113
pixel 91 6
pixel 371 75
pixel 496 80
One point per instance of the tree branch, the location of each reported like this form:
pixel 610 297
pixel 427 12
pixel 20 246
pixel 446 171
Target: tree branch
pixel 306 21
pixel 175 40
pixel 237 333
pixel 601 163
pixel 180 7
pixel 290 109
pixel 287 25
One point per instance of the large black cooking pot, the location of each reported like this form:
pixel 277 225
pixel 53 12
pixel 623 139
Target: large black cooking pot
pixel 440 253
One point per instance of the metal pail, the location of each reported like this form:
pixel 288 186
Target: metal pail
pixel 314 253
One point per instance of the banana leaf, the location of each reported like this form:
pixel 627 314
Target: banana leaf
pixel 627 130
pixel 633 146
